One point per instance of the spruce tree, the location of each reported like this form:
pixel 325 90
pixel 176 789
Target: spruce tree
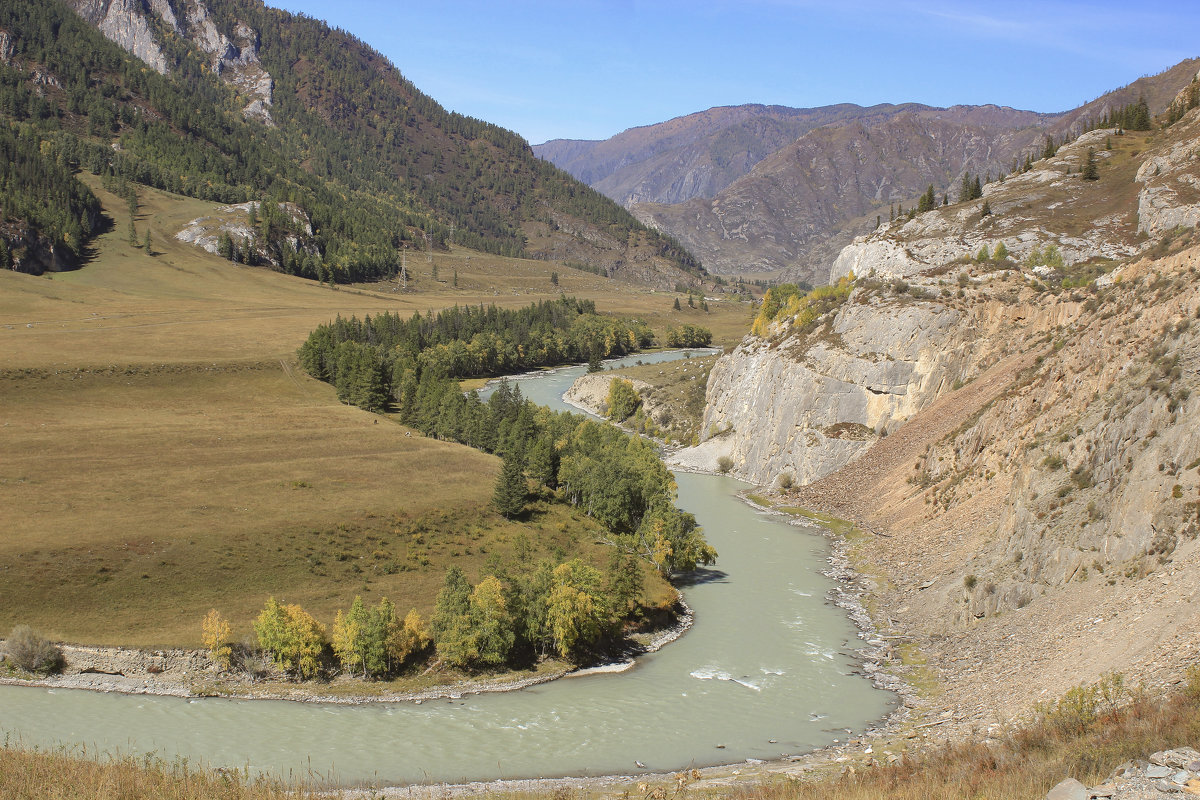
pixel 926 202
pixel 1091 171
pixel 964 188
pixel 146 242
pixel 509 497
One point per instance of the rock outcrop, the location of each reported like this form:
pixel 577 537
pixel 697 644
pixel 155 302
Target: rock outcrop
pixel 235 222
pixel 1166 773
pixel 1037 497
pixel 1035 209
pixel 123 22
pixel 126 23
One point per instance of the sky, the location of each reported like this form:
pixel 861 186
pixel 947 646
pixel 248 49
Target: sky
pixel 589 69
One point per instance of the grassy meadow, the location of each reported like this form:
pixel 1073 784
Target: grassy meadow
pixel 163 454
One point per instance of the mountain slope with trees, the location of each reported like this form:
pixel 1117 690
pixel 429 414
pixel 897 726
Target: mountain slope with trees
pixel 377 165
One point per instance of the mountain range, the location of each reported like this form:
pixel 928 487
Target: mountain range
pixel 768 190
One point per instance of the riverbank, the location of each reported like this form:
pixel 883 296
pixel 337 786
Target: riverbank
pixel 905 729
pixel 192 673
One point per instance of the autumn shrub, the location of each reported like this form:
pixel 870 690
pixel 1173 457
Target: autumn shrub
pixel 375 641
pixel 724 464
pixel 292 636
pixel 1191 685
pixel 215 633
pixel 33 652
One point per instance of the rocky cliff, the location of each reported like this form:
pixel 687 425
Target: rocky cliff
pixel 135 25
pixel 1036 497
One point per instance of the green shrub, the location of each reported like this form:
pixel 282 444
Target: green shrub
pixel 724 464
pixel 622 400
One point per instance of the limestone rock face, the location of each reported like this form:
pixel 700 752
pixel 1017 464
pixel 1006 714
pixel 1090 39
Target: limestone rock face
pixel 234 221
pixel 6 46
pixel 236 61
pixel 1023 216
pixel 1170 195
pixel 122 21
pixel 807 405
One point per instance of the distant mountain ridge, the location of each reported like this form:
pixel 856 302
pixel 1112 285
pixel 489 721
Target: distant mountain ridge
pixel 727 185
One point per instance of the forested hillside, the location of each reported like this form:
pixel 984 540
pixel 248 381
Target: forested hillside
pixel 377 165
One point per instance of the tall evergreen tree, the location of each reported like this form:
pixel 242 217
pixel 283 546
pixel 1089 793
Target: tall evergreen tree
pixel 927 201
pixel 509 496
pixel 1091 171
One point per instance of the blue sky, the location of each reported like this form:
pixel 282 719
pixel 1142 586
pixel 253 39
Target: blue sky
pixel 587 69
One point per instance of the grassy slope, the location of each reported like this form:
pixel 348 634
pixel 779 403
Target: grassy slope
pixel 163 453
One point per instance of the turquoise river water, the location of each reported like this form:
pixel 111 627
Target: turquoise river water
pixel 763 672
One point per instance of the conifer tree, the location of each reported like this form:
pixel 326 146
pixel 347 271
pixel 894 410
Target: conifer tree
pixel 926 202
pixel 986 211
pixel 1091 171
pixel 509 496
pixel 146 242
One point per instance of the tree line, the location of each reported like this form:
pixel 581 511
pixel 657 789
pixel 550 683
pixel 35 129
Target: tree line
pixel 522 613
pixel 371 360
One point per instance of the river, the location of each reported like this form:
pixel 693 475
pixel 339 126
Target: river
pixel 763 672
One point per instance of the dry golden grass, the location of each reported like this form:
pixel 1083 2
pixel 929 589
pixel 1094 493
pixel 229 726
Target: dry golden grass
pixel 139 499
pixel 183 304
pixel 1022 766
pixel 163 454
pixel 66 775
